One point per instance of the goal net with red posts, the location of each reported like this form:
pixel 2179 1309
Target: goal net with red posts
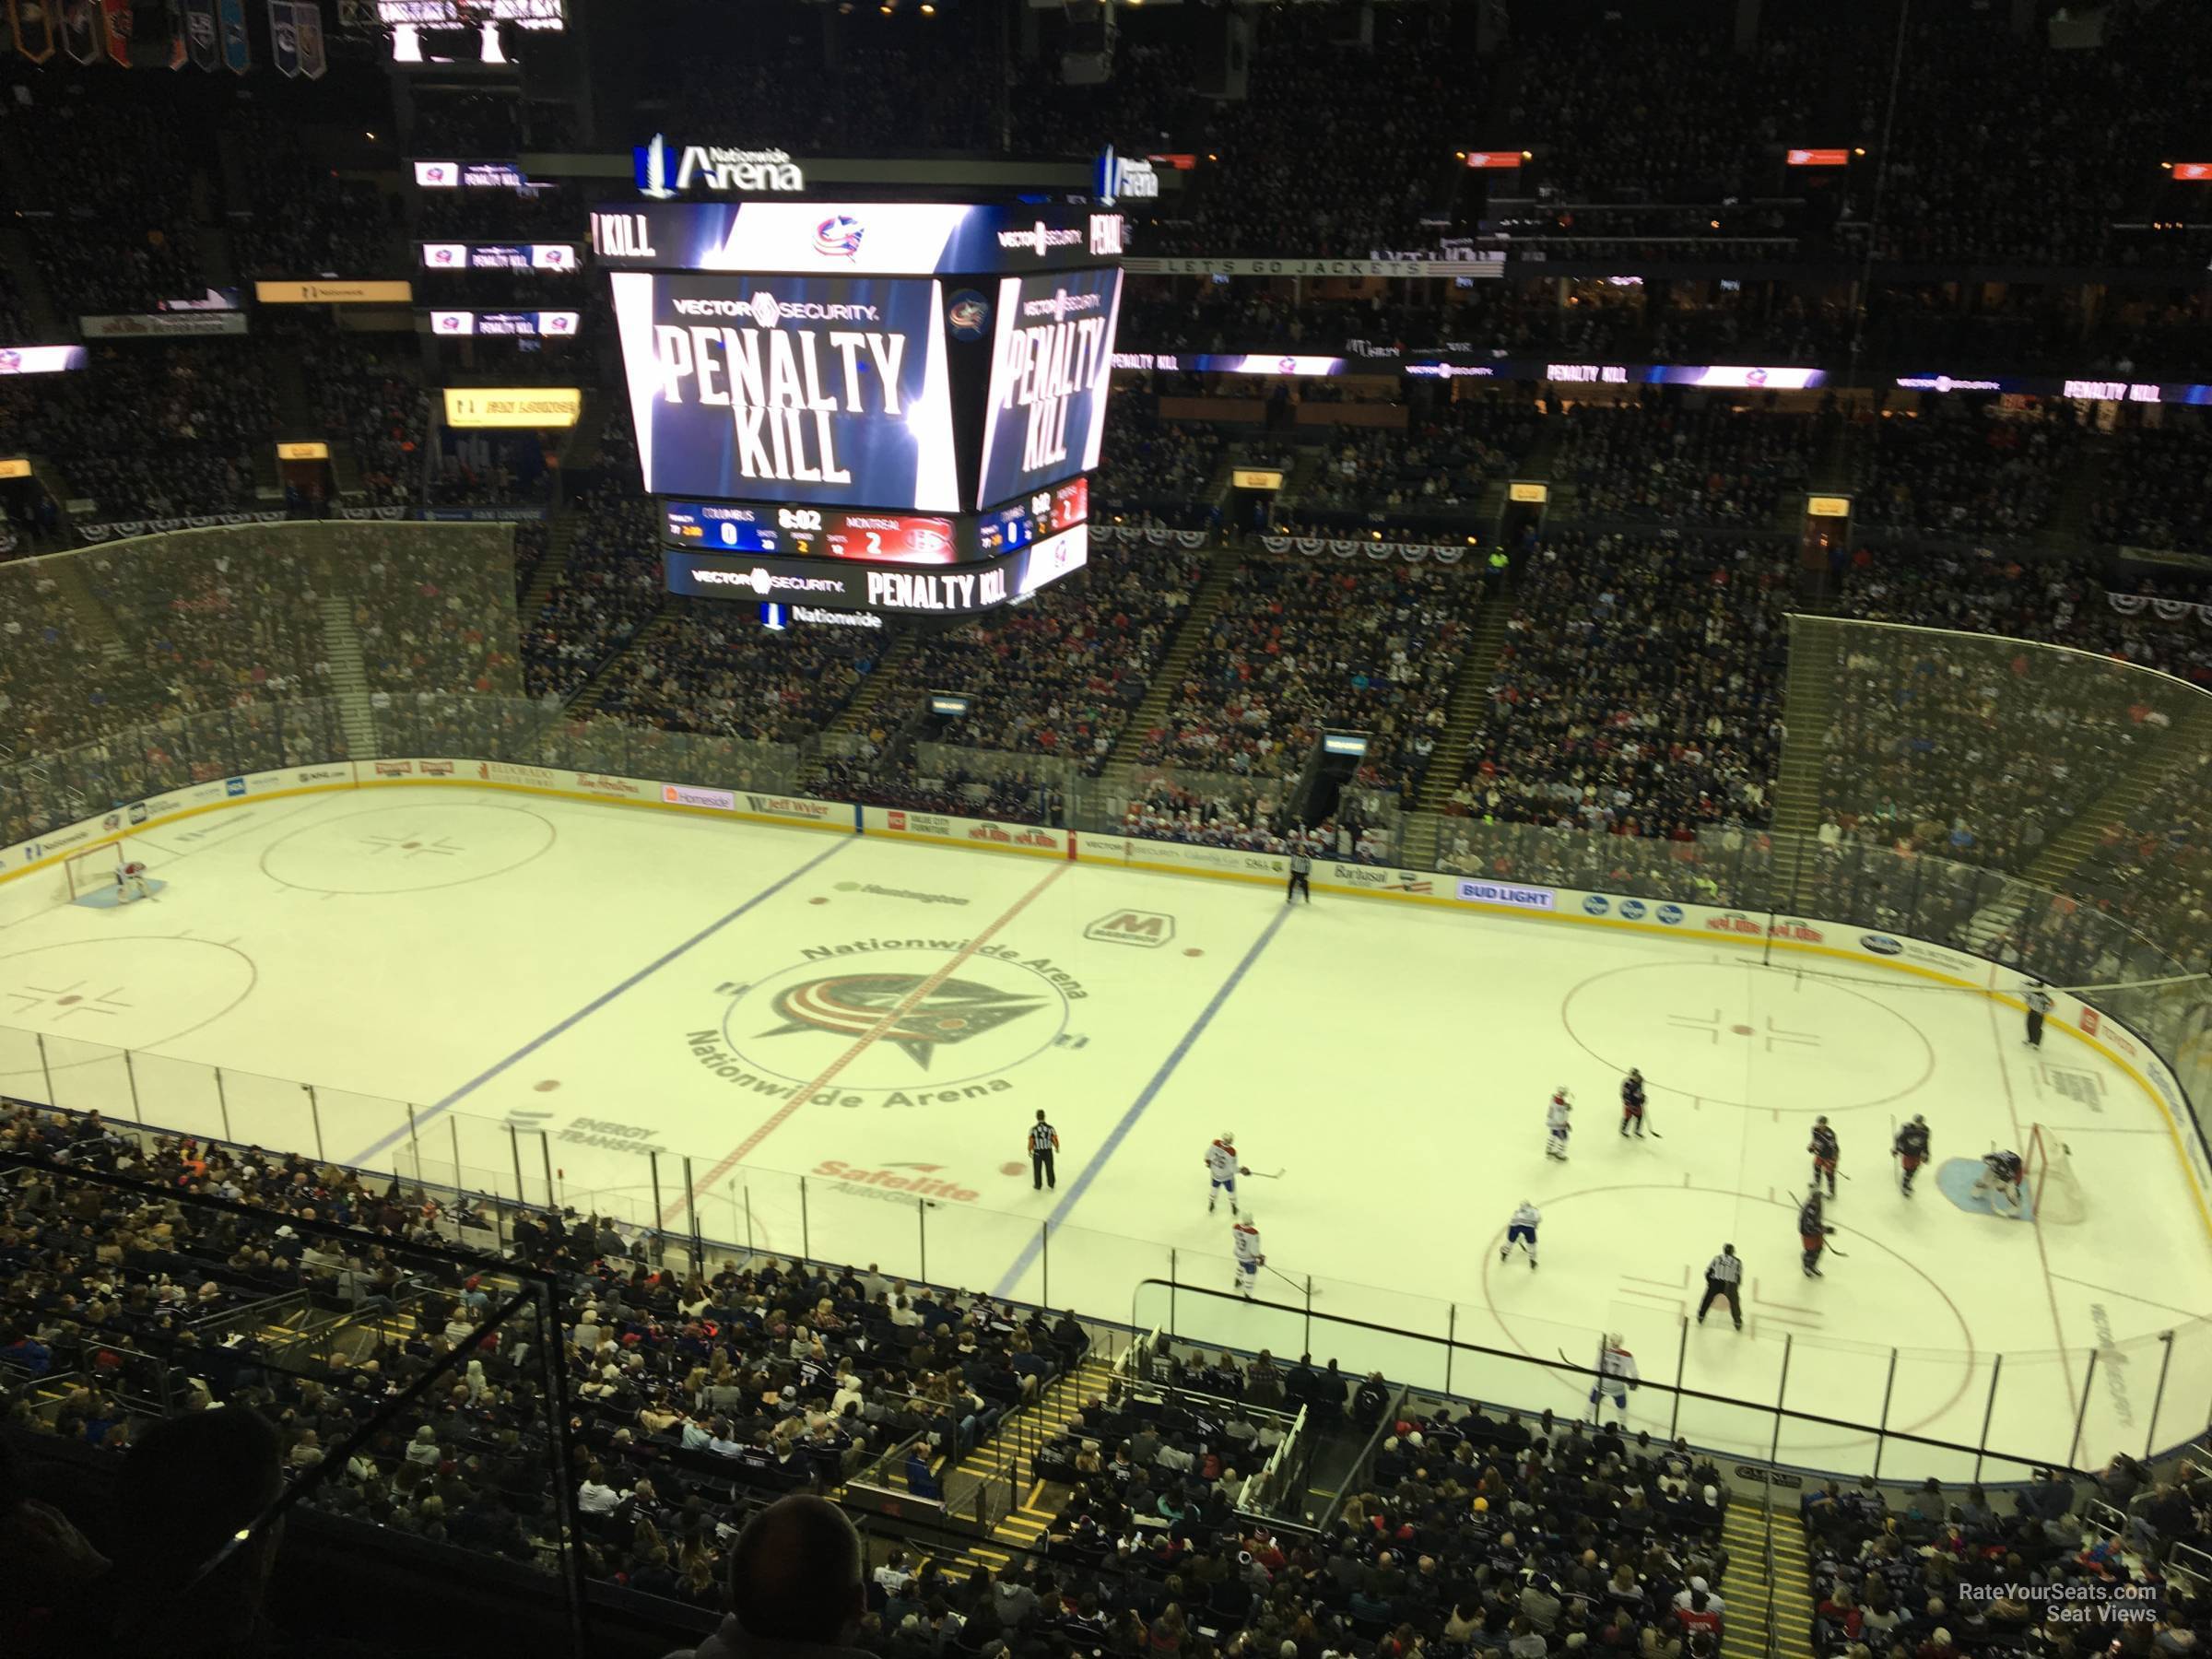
pixel 2054 1190
pixel 90 875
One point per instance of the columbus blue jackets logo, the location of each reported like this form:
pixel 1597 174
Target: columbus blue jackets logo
pixel 966 314
pixel 853 1005
pixel 838 237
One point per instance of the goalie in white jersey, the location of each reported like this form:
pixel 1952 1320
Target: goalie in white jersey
pixel 1555 1123
pixel 1522 1230
pixel 1251 1258
pixel 1617 1374
pixel 1222 1166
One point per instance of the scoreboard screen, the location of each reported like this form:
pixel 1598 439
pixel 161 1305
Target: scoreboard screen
pixel 1047 512
pixel 946 590
pixel 826 390
pixel 809 531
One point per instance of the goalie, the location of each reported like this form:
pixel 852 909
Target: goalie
pixel 1998 1186
pixel 130 883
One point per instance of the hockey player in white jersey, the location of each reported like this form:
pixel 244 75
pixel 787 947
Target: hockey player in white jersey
pixel 1617 1374
pixel 1555 1123
pixel 1222 1166
pixel 1245 1237
pixel 1522 1230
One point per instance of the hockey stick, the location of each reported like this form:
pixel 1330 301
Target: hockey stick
pixel 1286 1280
pixel 1262 1174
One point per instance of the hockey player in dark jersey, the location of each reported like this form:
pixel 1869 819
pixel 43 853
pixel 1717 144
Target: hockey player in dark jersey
pixel 1998 1186
pixel 1824 1149
pixel 1812 1233
pixel 1631 1103
pixel 1911 1149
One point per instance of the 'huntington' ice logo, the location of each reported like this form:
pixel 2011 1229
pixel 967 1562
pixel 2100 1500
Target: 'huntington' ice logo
pixel 853 1005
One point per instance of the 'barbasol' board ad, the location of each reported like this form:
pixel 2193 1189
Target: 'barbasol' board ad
pixel 1050 364
pixel 826 390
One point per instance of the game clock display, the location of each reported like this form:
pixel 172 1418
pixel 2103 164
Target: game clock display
pixel 809 531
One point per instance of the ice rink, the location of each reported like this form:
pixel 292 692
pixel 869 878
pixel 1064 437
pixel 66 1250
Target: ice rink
pixel 883 1019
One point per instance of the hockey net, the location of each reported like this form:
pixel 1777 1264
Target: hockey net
pixel 93 870
pixel 2054 1190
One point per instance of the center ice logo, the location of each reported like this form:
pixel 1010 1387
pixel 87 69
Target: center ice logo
pixel 853 1005
pixel 921 1021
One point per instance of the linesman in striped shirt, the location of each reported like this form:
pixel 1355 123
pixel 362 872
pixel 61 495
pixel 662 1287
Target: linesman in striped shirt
pixel 1724 1274
pixel 1044 1141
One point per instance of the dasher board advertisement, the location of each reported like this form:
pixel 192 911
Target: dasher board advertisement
pixel 827 391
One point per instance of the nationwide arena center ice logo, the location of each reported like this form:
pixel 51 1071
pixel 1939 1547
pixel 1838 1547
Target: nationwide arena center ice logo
pixel 838 237
pixel 894 1025
pixel 853 1005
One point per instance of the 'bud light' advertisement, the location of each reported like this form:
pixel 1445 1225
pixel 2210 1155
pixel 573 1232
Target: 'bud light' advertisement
pixel 826 390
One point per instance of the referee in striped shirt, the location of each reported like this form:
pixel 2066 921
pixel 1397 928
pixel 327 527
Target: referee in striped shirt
pixel 1723 1275
pixel 1044 1140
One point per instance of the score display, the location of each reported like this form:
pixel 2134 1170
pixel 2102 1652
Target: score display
pixel 899 538
pixel 809 531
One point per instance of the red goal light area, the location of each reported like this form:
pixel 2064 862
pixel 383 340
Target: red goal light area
pixel 1819 157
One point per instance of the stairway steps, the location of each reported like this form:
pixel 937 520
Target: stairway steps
pixel 348 675
pixel 1167 680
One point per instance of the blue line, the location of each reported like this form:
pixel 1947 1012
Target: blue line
pixel 592 1007
pixel 1136 1109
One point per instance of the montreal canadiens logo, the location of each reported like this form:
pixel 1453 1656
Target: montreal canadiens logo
pixel 838 237
pixel 853 1005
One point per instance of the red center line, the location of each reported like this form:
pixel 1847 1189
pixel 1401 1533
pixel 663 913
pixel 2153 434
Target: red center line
pixel 861 1044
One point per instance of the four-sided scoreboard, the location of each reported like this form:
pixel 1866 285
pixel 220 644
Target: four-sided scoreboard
pixel 883 407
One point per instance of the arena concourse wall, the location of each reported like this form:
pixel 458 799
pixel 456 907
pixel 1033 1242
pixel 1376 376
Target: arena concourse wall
pixel 1790 936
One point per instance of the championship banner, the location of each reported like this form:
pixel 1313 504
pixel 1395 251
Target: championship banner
pixel 200 38
pixel 178 50
pixel 238 50
pixel 115 30
pixel 31 21
pixel 284 39
pixel 80 31
pixel 307 19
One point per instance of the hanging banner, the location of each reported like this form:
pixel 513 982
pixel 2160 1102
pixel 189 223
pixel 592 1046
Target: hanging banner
pixel 284 39
pixel 200 39
pixel 307 19
pixel 115 30
pixel 31 22
pixel 178 50
pixel 238 51
pixel 80 31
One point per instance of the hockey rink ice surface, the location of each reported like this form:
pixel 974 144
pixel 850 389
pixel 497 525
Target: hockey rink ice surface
pixel 627 983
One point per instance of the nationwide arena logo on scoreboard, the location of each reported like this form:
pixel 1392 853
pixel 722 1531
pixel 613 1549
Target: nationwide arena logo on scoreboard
pixel 665 171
